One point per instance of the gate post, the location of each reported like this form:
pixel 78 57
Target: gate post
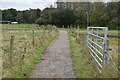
pixel 105 48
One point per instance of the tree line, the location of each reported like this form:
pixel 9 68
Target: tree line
pixel 26 16
pixel 81 14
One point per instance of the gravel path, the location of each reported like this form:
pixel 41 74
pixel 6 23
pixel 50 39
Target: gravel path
pixel 56 62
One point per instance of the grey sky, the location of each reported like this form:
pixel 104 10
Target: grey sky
pixel 26 4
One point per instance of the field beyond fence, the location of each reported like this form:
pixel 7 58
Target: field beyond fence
pixel 23 45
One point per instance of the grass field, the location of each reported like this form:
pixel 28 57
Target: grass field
pixel 17 27
pixel 27 48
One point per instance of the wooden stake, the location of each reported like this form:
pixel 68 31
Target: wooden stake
pixel 11 46
pixel 33 37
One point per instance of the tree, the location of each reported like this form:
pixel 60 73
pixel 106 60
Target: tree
pixel 63 17
pixel 30 16
pixel 9 14
pixel 39 21
pixel 98 14
pixel 112 13
pixel 80 13
pixel 46 15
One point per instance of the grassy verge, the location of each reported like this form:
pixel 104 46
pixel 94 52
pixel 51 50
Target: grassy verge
pixel 82 64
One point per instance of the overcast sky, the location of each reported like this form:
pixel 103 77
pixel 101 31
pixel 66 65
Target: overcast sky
pixel 26 4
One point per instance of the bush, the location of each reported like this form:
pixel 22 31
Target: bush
pixel 113 25
pixel 39 21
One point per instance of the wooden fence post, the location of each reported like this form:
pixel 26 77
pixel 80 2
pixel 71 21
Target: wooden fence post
pixel 33 37
pixel 78 31
pixel 11 46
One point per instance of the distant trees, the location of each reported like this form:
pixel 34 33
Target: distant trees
pixel 9 14
pixel 39 21
pixel 46 15
pixel 94 13
pixel 98 14
pixel 64 17
pixel 112 14
pixel 81 14
pixel 20 17
pixel 27 16
pixel 58 17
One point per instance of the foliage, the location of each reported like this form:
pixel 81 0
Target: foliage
pixel 39 21
pixel 46 15
pixel 26 16
pixel 93 13
pixel 9 14
pixel 81 14
pixel 63 17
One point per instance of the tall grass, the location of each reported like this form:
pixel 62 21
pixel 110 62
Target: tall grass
pixel 25 55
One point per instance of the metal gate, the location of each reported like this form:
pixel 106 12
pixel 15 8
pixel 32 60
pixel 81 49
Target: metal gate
pixel 97 42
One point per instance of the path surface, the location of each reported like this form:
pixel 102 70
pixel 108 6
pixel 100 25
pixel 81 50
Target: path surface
pixel 56 62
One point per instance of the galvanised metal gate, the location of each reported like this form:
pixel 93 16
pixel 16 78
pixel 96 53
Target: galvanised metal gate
pixel 97 42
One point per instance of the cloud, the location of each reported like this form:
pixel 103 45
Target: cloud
pixel 28 1
pixel 25 4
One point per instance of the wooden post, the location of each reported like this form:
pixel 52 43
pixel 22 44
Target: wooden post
pixel 78 31
pixel 11 47
pixel 25 43
pixel 33 37
pixel 62 26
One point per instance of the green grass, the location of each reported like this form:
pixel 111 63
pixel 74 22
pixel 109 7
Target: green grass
pixel 83 31
pixel 17 26
pixel 82 64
